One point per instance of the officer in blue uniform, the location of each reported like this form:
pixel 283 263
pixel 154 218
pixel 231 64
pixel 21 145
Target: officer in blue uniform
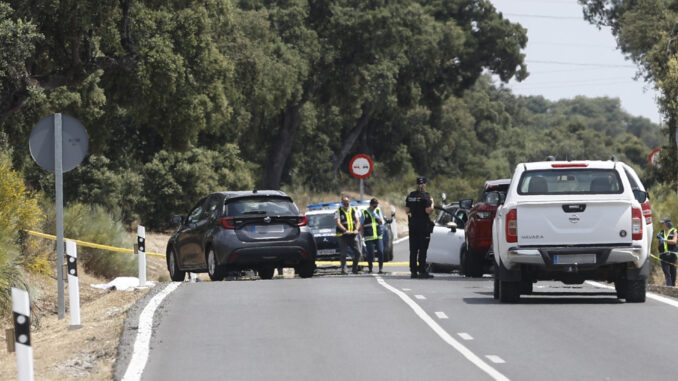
pixel 418 206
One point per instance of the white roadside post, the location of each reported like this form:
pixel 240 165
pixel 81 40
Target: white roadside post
pixel 73 283
pixel 22 335
pixel 141 241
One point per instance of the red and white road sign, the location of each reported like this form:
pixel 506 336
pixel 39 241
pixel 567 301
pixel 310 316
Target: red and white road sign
pixel 654 157
pixel 361 166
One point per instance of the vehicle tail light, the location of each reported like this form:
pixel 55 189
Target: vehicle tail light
pixel 636 224
pixel 570 165
pixel 484 215
pixel 302 221
pixel 512 226
pixel 647 212
pixel 227 222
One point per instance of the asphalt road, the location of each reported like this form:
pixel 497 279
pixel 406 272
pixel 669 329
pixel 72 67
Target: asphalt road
pixel 366 327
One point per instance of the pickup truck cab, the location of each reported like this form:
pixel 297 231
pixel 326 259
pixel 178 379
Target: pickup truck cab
pixel 572 221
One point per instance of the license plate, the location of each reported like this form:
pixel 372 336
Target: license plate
pixel 266 229
pixel 571 259
pixel 326 251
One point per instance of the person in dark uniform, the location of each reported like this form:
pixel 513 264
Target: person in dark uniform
pixel 418 207
pixel 348 225
pixel 667 239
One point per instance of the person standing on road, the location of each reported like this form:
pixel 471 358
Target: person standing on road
pixel 418 206
pixel 667 240
pixel 372 221
pixel 348 225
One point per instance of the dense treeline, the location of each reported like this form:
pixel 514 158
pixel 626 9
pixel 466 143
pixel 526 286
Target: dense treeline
pixel 184 97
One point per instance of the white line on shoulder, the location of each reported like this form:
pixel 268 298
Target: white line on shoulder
pixel 651 295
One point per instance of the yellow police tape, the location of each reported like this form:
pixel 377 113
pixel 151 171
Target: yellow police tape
pixel 130 251
pixel 661 260
pixel 92 245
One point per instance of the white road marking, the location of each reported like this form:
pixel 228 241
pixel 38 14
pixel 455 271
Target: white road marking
pixel 441 315
pixel 142 343
pixel 420 297
pixel 400 240
pixel 650 295
pixel 495 359
pixel 465 336
pixel 472 357
pixel 407 289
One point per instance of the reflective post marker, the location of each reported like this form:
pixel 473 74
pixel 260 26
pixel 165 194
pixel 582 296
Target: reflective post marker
pixel 141 242
pixel 59 187
pixel 22 335
pixel 73 283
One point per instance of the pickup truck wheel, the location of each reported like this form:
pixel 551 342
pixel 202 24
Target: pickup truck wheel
pixel 474 264
pixel 215 272
pixel 463 262
pixel 266 272
pixel 620 287
pixel 635 290
pixel 175 274
pixel 509 292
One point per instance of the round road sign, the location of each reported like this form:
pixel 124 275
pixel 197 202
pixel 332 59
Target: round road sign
pixel 361 166
pixel 73 137
pixel 654 157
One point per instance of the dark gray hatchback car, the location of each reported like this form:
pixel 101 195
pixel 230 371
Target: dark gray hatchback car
pixel 233 231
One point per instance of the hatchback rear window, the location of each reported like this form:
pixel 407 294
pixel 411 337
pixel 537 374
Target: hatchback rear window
pixel 272 206
pixel 570 181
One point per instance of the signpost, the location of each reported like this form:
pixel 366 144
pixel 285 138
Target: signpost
pixel 361 166
pixel 58 143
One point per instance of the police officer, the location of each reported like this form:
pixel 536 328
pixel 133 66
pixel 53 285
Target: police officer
pixel 418 206
pixel 372 221
pixel 348 225
pixel 667 239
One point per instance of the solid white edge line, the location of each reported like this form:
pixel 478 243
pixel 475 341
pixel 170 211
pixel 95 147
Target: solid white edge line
pixel 441 315
pixel 650 295
pixel 472 357
pixel 143 341
pixel 400 240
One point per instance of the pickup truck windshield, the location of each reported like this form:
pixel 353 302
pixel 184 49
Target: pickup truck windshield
pixel 570 181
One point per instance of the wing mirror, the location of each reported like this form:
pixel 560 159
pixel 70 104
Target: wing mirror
pixel 466 203
pixel 452 226
pixel 177 220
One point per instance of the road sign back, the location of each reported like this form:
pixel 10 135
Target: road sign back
pixel 74 142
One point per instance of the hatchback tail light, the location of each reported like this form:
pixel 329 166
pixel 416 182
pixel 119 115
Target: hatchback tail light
pixel 302 220
pixel 636 224
pixel 647 212
pixel 512 226
pixel 227 222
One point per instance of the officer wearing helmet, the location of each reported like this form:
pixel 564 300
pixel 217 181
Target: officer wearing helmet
pixel 418 206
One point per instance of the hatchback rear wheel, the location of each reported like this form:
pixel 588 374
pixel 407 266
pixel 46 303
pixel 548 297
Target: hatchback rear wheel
pixel 215 272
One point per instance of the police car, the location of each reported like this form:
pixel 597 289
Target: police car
pixel 323 227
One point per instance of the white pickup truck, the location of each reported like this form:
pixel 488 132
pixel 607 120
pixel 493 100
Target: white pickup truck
pixel 573 221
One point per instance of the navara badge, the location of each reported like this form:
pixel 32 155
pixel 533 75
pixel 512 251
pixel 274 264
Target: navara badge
pixel 574 219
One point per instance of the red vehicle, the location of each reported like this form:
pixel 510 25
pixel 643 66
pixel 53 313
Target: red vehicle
pixel 476 259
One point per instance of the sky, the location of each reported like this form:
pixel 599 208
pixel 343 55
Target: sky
pixel 566 57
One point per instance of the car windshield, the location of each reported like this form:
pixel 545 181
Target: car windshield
pixel 321 221
pixel 274 206
pixel 570 181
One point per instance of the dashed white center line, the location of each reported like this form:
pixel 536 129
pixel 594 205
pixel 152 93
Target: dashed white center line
pixel 465 336
pixel 441 315
pixel 407 289
pixel 420 297
pixel 495 359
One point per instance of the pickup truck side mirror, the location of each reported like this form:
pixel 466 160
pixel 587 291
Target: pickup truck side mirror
pixel 177 220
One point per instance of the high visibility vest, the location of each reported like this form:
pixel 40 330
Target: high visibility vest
pixel 371 227
pixel 346 218
pixel 666 237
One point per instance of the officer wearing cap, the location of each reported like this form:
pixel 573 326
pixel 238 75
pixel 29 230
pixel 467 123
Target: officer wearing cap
pixel 667 240
pixel 418 206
